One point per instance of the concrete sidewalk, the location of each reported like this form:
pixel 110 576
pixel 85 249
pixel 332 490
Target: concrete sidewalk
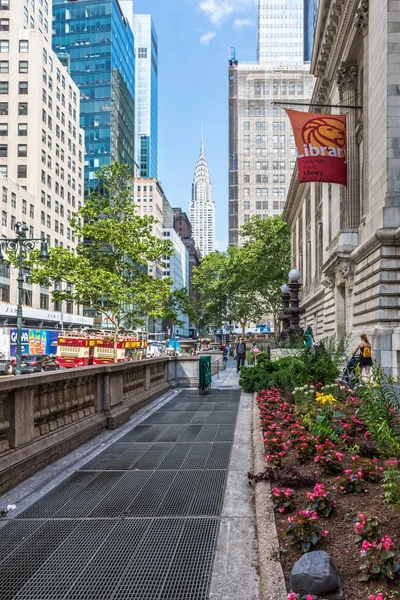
pixel 158 509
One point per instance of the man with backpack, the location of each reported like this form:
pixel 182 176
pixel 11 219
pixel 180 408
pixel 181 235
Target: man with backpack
pixel 240 354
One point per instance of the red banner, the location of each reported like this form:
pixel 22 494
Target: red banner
pixel 320 146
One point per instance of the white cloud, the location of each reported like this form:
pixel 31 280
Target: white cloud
pixel 243 23
pixel 207 38
pixel 219 10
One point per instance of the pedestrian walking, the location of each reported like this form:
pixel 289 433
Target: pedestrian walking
pixel 309 337
pixel 255 350
pixel 225 355
pixel 365 349
pixel 240 354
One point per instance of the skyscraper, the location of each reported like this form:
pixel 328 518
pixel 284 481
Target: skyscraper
pixel 146 51
pixel 41 152
pixel 99 42
pixel 262 153
pixel 280 32
pixel 202 207
pixel 310 21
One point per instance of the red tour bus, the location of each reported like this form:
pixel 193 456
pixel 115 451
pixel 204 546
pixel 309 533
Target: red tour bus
pixel 80 349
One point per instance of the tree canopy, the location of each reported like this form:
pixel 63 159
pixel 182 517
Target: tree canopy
pixel 108 271
pixel 244 283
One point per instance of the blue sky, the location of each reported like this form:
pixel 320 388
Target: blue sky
pixel 194 39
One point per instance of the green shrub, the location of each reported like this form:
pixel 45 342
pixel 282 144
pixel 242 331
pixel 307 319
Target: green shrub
pixel 290 372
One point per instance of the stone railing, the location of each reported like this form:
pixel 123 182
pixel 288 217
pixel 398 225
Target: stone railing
pixel 46 415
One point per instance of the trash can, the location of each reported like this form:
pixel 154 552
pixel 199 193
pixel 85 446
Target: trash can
pixel 204 374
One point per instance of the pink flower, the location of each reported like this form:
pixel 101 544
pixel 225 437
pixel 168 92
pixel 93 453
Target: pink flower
pixel 310 597
pixel 365 545
pixel 324 533
pixel 281 510
pixel 290 519
pixel 292 596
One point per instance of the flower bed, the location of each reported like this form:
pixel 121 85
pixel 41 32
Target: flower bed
pixel 335 487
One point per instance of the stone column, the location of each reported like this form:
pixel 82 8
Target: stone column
pixel 362 24
pixel 347 83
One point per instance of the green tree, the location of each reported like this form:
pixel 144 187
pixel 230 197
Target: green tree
pixel 108 269
pixel 222 281
pixel 266 252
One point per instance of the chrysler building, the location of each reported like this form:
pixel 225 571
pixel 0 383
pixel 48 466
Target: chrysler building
pixel 202 207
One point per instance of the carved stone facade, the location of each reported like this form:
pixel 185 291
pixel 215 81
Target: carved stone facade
pixel 350 260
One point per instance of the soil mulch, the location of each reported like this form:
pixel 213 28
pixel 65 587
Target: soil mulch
pixel 340 543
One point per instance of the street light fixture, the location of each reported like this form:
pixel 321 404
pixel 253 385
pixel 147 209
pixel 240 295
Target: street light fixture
pixel 295 310
pixel 21 245
pixel 285 316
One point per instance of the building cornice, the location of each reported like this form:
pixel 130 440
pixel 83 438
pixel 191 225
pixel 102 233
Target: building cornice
pixel 337 21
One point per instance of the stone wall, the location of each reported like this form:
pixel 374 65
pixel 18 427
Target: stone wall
pixel 45 416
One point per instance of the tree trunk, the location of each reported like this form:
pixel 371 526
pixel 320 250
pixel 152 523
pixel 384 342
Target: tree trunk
pixel 243 325
pixel 116 332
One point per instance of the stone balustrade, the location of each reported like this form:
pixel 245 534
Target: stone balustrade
pixel 46 415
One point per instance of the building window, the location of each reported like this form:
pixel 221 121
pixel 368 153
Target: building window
pixel 22 108
pixel 3 87
pixel 4 218
pixel 4 67
pixel 22 150
pixel 4 4
pixel 4 195
pixel 4 46
pixel 23 129
pixel 23 87
pixel 31 211
pixel 23 46
pixel 3 150
pixel 23 66
pixel 3 129
pixel 4 292
pixel 13 199
pixel 142 52
pixel 27 297
pixel 3 108
pixel 44 301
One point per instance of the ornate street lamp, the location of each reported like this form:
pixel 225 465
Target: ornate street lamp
pixel 285 315
pixel 295 310
pixel 21 245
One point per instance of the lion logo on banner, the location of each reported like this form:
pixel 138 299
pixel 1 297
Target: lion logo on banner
pixel 325 131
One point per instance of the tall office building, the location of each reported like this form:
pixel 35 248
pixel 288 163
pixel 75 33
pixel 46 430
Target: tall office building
pixel 310 21
pixel 202 207
pixel 280 32
pixel 262 152
pixel 96 40
pixel 146 52
pixel 41 152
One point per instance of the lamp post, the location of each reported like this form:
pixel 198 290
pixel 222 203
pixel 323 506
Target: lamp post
pixel 285 316
pixel 21 245
pixel 295 310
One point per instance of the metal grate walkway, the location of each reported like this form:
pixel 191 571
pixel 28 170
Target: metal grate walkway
pixel 140 521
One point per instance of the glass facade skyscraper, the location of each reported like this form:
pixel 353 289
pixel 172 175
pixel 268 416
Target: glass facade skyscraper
pixel 310 21
pixel 146 51
pixel 100 45
pixel 280 32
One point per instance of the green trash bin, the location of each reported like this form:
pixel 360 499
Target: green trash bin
pixel 204 374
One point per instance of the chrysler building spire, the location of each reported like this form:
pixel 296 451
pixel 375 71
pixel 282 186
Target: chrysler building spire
pixel 202 207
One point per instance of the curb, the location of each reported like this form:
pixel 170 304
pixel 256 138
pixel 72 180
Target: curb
pixel 272 581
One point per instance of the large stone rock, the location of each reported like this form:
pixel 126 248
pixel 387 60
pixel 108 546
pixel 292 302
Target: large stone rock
pixel 314 573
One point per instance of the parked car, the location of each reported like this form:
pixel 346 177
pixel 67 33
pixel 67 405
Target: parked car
pixel 35 363
pixel 6 367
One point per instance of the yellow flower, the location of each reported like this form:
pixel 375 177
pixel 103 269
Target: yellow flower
pixel 325 398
